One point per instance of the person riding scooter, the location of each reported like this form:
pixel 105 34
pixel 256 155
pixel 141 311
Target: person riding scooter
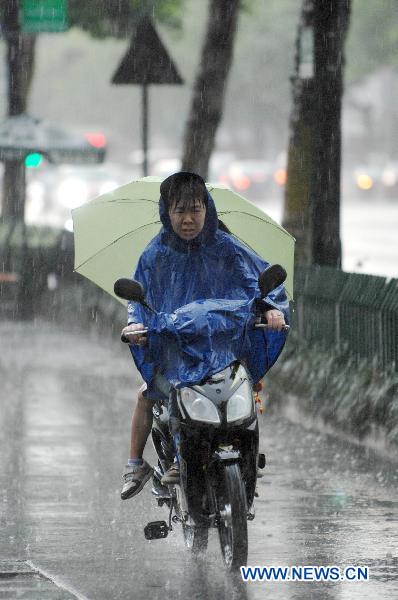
pixel 191 258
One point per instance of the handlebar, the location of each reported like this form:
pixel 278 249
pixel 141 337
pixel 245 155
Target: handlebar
pixel 265 326
pixel 125 337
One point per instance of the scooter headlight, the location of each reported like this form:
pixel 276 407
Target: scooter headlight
pixel 198 407
pixel 240 405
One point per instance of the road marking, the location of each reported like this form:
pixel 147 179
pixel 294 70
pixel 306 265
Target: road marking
pixel 15 574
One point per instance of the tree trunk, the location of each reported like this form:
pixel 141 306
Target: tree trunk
pixel 312 198
pixel 331 19
pixel 20 66
pixel 209 89
pixel 297 208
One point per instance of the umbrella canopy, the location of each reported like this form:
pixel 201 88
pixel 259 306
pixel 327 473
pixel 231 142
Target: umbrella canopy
pixel 23 134
pixel 112 231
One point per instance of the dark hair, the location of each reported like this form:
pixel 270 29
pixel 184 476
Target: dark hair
pixel 181 188
pixel 223 227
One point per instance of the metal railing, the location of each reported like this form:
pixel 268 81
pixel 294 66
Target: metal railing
pixel 348 310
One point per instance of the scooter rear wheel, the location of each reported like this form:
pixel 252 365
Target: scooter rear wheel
pixel 195 538
pixel 232 526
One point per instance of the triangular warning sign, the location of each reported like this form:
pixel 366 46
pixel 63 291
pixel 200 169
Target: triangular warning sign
pixel 146 60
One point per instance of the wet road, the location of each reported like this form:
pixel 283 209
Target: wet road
pixel 64 427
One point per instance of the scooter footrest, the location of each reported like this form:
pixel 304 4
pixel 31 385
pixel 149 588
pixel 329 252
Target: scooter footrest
pixel 156 530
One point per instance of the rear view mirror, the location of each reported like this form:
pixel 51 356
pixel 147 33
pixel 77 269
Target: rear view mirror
pixel 271 278
pixel 129 289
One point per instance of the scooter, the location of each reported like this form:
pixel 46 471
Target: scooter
pixel 216 428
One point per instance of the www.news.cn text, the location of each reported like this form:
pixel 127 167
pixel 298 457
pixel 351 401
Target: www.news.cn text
pixel 305 573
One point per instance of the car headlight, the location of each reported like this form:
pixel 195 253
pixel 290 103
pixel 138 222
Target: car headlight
pixel 240 405
pixel 72 192
pixel 198 407
pixel 107 186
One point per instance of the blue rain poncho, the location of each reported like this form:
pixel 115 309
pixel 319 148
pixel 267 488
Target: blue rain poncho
pixel 204 291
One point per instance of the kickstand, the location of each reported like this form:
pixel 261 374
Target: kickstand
pixel 170 514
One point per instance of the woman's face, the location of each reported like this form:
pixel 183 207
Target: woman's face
pixel 188 222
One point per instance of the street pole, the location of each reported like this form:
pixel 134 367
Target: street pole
pixel 145 129
pixel 20 61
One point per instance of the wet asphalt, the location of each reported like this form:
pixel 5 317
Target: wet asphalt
pixel 65 407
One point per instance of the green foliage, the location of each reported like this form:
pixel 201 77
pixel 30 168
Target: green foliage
pixel 167 12
pixel 116 18
pixel 354 397
pixel 247 6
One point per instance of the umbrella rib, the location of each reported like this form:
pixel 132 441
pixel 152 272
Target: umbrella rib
pixel 130 200
pixel 244 242
pixel 94 206
pixel 114 242
pixel 240 212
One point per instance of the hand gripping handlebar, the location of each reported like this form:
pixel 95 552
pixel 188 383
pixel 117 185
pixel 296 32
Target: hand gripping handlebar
pixel 125 336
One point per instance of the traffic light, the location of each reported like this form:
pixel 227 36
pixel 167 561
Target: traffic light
pixel 33 160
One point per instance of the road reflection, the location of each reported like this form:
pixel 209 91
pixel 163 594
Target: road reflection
pixel 64 429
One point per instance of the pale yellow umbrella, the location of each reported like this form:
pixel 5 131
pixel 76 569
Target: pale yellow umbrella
pixel 112 231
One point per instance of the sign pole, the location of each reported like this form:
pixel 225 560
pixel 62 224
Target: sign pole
pixel 145 129
pixel 146 61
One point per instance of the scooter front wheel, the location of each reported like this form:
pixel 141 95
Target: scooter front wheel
pixel 232 509
pixel 195 538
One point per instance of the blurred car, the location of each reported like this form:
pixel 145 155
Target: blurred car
pixel 389 179
pixel 218 162
pixel 279 173
pixel 250 177
pixel 377 176
pixel 166 166
pixel 52 192
pixel 367 179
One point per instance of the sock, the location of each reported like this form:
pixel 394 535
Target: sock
pixel 134 462
pixel 176 439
